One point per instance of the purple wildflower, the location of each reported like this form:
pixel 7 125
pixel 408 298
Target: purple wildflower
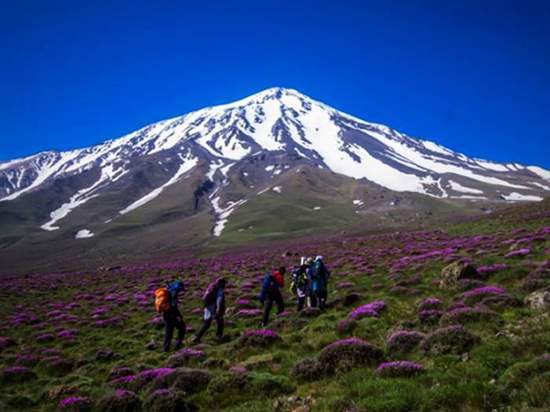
pixel 75 403
pixel 249 313
pixel 372 309
pixel 259 337
pixel 430 303
pixel 399 369
pixel 518 253
pixel 404 340
pixel 496 267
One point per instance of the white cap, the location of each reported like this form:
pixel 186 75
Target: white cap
pixel 319 257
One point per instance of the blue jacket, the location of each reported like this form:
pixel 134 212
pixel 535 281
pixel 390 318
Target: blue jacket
pixel 318 276
pixel 268 285
pixel 174 288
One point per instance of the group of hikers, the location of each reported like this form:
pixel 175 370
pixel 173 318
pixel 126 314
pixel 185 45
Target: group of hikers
pixel 309 281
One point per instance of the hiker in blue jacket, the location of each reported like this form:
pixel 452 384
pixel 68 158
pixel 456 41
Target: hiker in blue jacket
pixel 214 308
pixel 318 275
pixel 172 317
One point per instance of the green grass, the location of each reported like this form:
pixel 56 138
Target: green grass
pixel 502 372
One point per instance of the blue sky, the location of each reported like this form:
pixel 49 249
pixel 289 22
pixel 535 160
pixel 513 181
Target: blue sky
pixel 471 75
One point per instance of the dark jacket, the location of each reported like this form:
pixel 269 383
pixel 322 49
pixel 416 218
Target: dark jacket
pixel 272 283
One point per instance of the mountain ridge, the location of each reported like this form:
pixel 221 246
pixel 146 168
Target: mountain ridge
pixel 217 144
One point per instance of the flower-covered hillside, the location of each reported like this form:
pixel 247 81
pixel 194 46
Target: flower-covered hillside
pixel 430 320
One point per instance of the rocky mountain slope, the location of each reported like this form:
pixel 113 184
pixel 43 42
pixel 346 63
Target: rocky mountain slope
pixel 275 153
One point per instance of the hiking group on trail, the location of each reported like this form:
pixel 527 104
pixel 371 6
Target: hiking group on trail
pixel 309 284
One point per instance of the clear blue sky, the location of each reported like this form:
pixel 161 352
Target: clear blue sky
pixel 471 75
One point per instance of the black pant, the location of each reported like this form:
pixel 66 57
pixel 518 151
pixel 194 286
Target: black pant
pixel 319 296
pixel 172 320
pixel 206 324
pixel 301 303
pixel 273 296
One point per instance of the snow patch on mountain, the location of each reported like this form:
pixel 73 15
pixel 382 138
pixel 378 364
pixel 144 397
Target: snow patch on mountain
pixel 222 213
pixel 545 174
pixel 189 162
pixel 457 187
pixel 83 234
pixel 514 196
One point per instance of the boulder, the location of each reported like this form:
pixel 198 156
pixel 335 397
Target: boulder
pixel 539 300
pixel 452 274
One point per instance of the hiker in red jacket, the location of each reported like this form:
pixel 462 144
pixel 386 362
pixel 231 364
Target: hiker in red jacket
pixel 271 292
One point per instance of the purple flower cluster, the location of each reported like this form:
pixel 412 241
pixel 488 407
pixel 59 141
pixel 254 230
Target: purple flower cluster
pixel 249 313
pixel 430 303
pixel 372 309
pixel 151 374
pixel 75 403
pixel 399 369
pixel 429 316
pixel 488 269
pixel 6 341
pixel 477 294
pixel 185 356
pixel 15 374
pixel 353 341
pixel 266 333
pixel 404 340
pixel 518 253
pixel 348 353
pixel 259 337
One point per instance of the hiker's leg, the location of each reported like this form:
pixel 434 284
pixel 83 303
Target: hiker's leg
pixel 267 308
pixel 181 333
pixel 204 327
pixel 301 302
pixel 313 299
pixel 280 303
pixel 322 299
pixel 168 330
pixel 219 329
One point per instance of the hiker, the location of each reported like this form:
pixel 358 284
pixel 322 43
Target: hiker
pixel 300 283
pixel 271 292
pixel 318 279
pixel 166 302
pixel 214 308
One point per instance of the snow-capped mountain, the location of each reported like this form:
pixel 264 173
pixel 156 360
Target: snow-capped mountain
pixel 216 142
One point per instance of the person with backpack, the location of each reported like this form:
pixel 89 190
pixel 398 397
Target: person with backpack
pixel 166 302
pixel 214 308
pixel 271 292
pixel 300 283
pixel 318 280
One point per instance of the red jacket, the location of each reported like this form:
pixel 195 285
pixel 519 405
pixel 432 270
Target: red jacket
pixel 279 278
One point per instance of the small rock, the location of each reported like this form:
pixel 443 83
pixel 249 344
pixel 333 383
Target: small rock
pixel 539 300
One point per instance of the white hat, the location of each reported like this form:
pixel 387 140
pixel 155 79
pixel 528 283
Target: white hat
pixel 318 257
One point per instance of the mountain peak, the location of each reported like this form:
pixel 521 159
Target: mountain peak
pixel 278 120
pixel 272 93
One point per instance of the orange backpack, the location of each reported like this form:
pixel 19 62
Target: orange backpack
pixel 162 300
